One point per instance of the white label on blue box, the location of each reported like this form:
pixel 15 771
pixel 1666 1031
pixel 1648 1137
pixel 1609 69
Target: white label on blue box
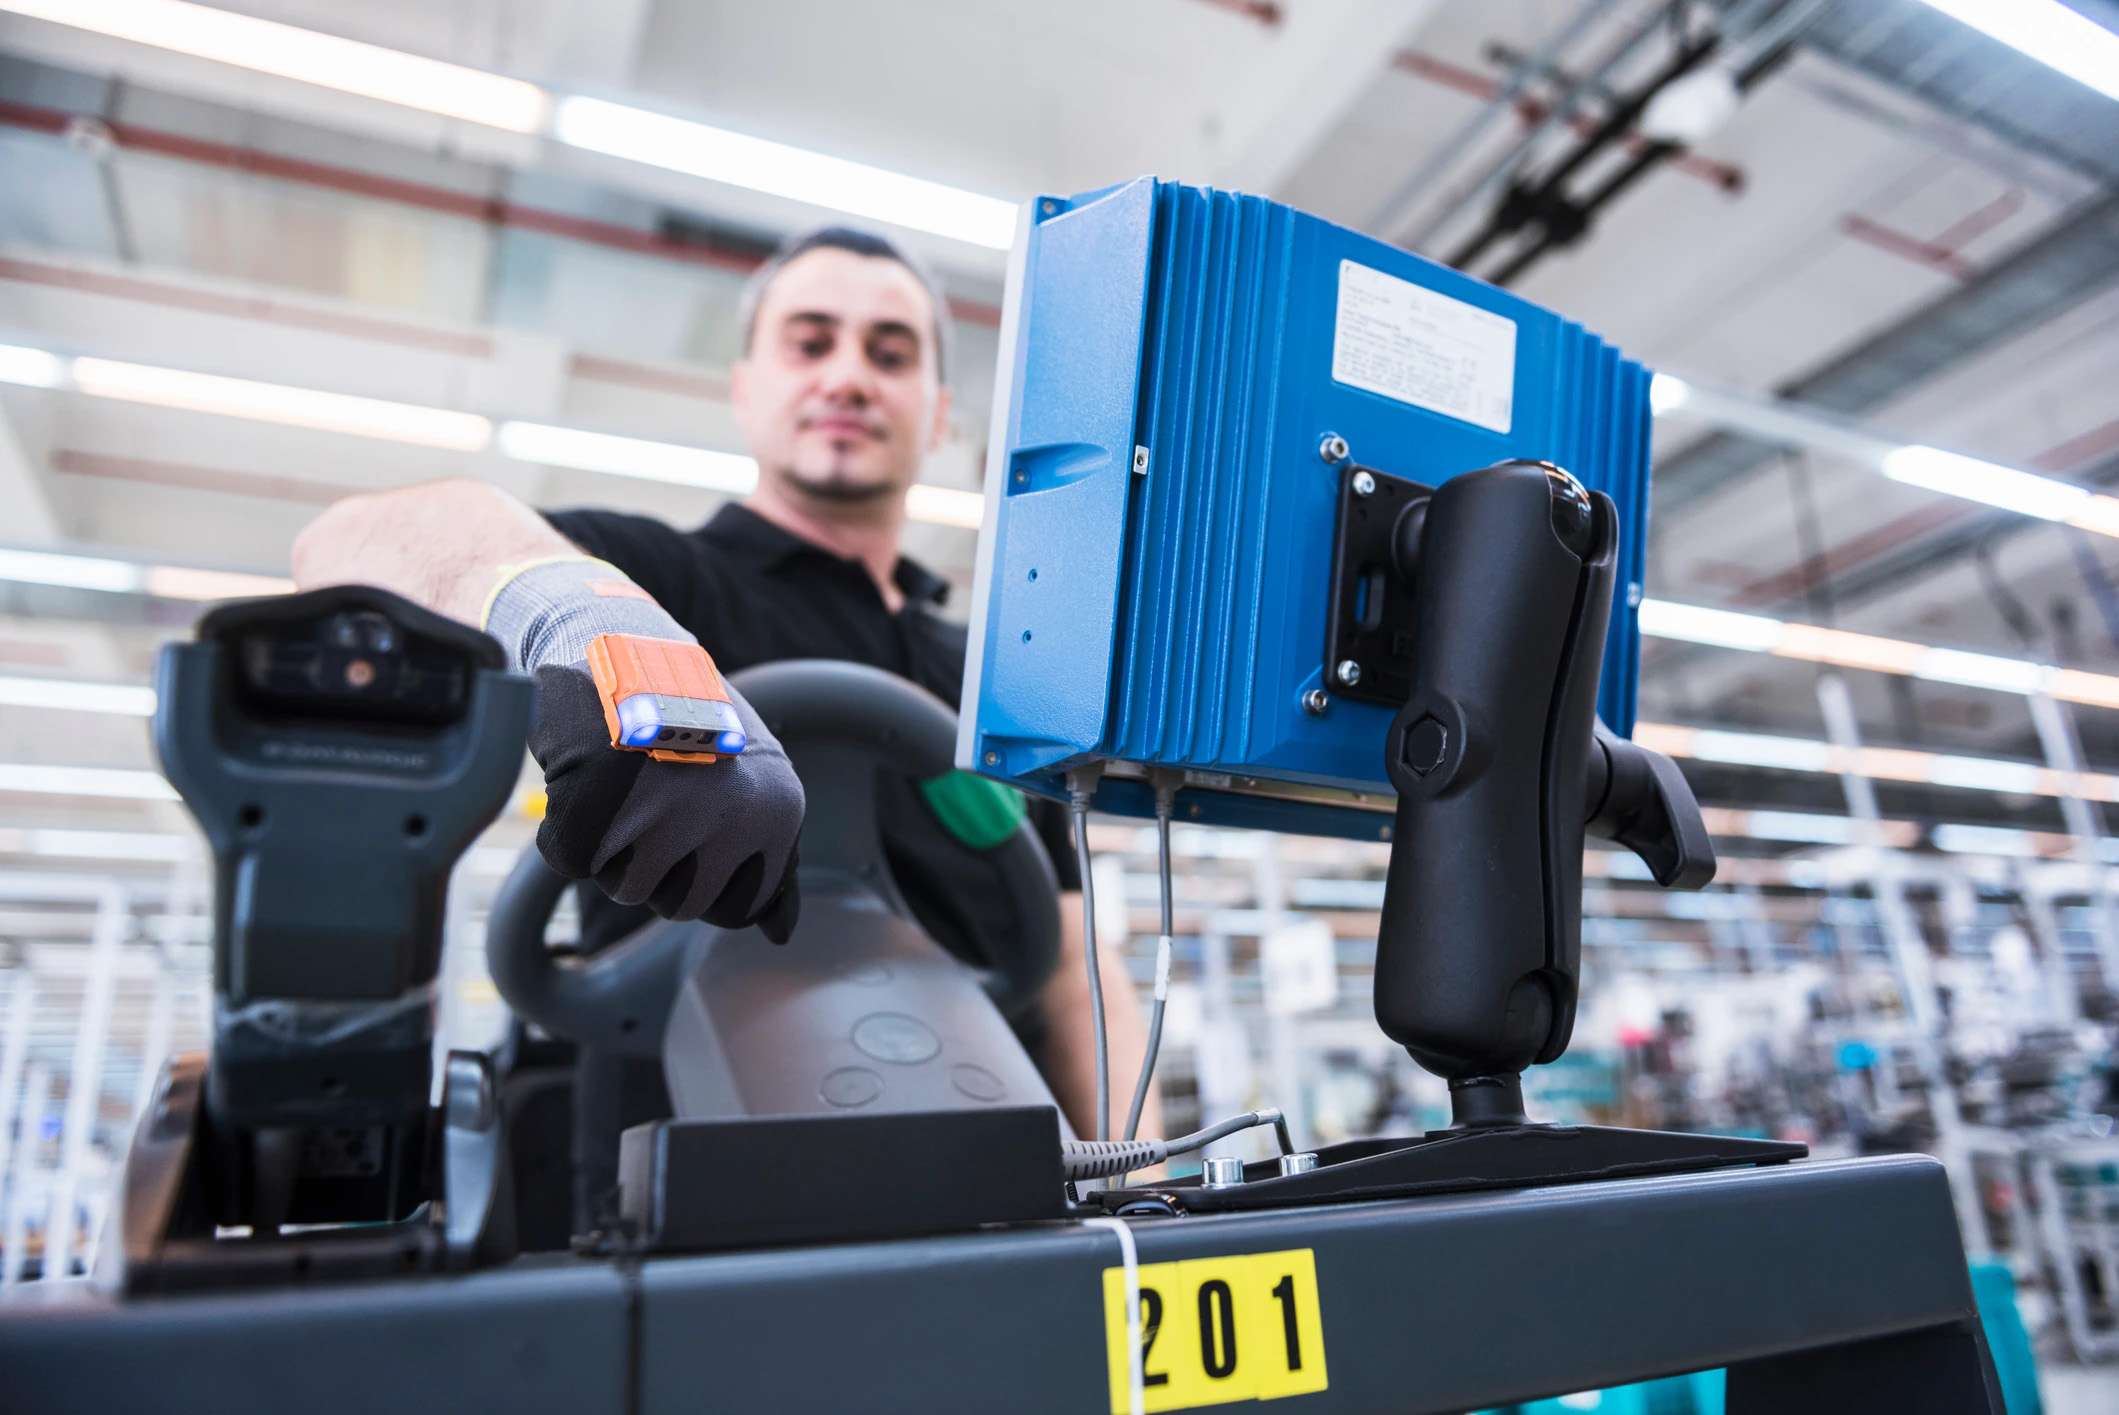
pixel 1407 342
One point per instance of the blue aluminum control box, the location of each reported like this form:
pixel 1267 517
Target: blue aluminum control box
pixel 1156 560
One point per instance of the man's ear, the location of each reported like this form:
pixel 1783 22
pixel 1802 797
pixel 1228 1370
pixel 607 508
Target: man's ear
pixel 938 432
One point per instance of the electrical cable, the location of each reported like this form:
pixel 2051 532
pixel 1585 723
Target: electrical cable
pixel 1165 806
pixel 1103 1159
pixel 1078 792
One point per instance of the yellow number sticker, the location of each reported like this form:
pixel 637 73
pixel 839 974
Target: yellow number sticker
pixel 1216 1330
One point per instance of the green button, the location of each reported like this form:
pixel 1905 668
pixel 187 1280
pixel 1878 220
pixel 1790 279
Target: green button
pixel 978 812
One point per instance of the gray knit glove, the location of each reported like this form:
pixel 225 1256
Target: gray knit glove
pixel 690 840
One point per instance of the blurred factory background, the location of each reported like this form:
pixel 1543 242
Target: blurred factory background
pixel 1871 245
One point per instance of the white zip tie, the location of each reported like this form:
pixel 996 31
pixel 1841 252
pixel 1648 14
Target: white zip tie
pixel 1136 1383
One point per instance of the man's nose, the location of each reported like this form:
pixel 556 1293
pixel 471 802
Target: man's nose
pixel 846 376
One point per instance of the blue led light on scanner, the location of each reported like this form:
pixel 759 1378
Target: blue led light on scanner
pixel 1155 563
pixel 645 718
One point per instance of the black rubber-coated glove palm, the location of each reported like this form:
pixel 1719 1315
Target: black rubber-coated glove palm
pixel 689 840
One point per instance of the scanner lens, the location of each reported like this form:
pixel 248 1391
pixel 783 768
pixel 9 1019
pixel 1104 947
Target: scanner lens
pixel 354 666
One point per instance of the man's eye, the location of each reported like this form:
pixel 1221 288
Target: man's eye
pixel 814 347
pixel 893 355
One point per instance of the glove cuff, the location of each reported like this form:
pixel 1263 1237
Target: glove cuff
pixel 545 612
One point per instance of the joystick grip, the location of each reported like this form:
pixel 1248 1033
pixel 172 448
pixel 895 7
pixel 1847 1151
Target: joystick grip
pixel 1480 940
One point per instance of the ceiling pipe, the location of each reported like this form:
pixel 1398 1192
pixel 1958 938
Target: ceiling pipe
pixel 1462 141
pixel 1563 110
pixel 1558 219
pixel 1563 221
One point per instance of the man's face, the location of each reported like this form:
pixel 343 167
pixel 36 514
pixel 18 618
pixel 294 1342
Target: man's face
pixel 839 396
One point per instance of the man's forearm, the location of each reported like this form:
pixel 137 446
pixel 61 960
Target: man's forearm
pixel 1070 1048
pixel 441 544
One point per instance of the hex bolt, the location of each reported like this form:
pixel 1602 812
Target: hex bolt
pixel 1348 673
pixel 1222 1172
pixel 1316 702
pixel 1297 1164
pixel 1364 484
pixel 1334 449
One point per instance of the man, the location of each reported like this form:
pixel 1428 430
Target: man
pixel 841 393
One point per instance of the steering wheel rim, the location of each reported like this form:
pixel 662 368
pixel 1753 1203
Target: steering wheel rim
pixel 839 722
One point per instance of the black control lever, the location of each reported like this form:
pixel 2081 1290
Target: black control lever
pixel 1639 799
pixel 1500 772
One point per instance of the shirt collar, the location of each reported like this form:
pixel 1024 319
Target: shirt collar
pixel 737 528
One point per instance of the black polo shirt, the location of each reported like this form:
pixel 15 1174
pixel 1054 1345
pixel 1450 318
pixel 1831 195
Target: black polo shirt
pixel 753 593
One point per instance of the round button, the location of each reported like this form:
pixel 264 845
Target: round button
pixel 977 1082
pixel 851 1086
pixel 896 1038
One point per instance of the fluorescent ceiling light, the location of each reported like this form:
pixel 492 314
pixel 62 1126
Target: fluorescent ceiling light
pixel 1752 633
pixel 1957 475
pixel 1780 423
pixel 85 781
pixel 1816 644
pixel 1667 394
pixel 99 845
pixel 322 59
pixel 945 506
pixel 1980 670
pixel 76 572
pixel 1758 749
pixel 277 403
pixel 1988 774
pixel 1800 826
pixel 628 457
pixel 2048 31
pixel 96 572
pixel 1701 625
pixel 31 366
pixel 775 168
pixel 183 582
pixel 122 699
pixel 2099 514
pixel 1879 763
pixel 1984 840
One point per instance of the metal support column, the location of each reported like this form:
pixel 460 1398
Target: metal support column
pixel 1909 953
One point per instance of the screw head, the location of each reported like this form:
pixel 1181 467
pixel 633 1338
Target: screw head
pixel 1364 484
pixel 1334 449
pixel 1317 702
pixel 993 759
pixel 1348 673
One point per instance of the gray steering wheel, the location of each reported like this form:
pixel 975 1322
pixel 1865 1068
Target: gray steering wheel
pixel 839 722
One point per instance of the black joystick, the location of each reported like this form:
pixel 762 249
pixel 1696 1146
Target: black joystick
pixel 1501 768
pixel 1481 607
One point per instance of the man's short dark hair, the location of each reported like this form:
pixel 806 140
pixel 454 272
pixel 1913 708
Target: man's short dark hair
pixel 865 243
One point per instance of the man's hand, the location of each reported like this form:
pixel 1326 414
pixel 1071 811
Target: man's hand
pixel 689 840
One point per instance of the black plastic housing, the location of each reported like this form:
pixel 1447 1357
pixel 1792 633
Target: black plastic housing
pixel 340 749
pixel 693 1185
pixel 1480 941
